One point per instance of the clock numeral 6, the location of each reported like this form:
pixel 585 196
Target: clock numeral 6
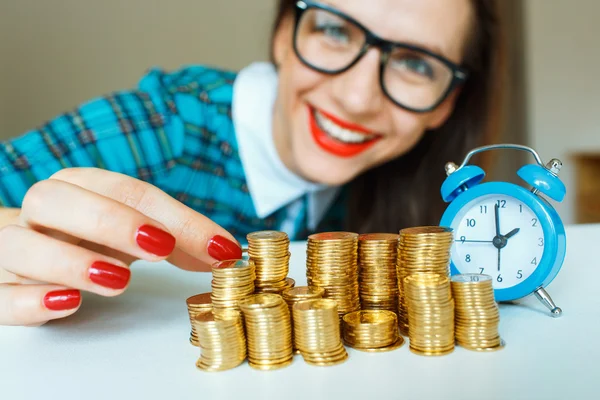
pixel 499 278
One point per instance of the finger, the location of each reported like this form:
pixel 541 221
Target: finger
pixel 34 305
pixel 188 262
pixel 13 279
pixel 60 263
pixel 196 235
pixel 125 258
pixel 79 212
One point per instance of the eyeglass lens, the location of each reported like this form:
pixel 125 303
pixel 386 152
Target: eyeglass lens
pixel 330 43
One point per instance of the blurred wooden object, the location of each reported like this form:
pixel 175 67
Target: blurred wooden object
pixel 514 120
pixel 587 187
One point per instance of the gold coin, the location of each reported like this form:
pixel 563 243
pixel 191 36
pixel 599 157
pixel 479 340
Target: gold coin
pixel 269 250
pixel 430 309
pixel 317 332
pixel 331 264
pixel 477 315
pixel 199 299
pixel 425 230
pixel 268 331
pixel 377 258
pixel 222 341
pixel 233 280
pixel 370 329
pixel 196 304
pixel 267 235
pixel 396 345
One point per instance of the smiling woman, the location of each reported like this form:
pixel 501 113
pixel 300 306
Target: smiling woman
pixel 390 92
pixel 348 128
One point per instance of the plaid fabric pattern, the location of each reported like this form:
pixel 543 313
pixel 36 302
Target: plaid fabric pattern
pixel 174 131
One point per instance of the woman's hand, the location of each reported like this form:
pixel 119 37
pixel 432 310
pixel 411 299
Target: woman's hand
pixel 80 230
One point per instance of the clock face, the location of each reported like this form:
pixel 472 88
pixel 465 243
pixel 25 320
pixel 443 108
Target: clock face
pixel 509 257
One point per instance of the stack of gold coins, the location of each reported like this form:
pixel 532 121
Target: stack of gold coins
pixel 196 304
pixel 430 314
pixel 317 332
pixel 278 288
pixel 377 281
pixel 421 249
pixel 372 330
pixel 331 264
pixel 270 252
pixel 296 294
pixel 476 316
pixel 233 280
pixel 223 343
pixel 268 331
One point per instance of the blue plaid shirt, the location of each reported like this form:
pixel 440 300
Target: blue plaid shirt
pixel 174 131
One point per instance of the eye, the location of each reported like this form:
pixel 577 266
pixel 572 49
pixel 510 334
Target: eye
pixel 337 33
pixel 416 65
pixel 332 27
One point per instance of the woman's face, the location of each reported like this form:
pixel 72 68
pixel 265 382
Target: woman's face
pixel 331 128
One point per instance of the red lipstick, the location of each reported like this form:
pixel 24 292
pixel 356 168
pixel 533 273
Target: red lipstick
pixel 334 146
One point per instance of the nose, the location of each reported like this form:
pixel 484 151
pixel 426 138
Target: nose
pixel 357 90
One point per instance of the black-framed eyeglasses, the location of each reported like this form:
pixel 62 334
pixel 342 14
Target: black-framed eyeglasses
pixel 412 77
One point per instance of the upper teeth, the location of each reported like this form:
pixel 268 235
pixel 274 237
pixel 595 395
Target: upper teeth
pixel 339 133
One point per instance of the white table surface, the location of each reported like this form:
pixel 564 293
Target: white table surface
pixel 136 347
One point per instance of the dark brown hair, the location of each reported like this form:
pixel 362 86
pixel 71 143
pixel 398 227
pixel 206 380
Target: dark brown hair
pixel 406 191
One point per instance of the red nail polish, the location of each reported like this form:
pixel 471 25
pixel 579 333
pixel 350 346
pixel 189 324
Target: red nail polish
pixel 221 248
pixel 61 300
pixel 155 241
pixel 109 275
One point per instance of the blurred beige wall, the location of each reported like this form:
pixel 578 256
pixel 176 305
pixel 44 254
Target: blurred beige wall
pixel 55 54
pixel 563 85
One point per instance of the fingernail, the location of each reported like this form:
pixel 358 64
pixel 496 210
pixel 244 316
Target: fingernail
pixel 109 275
pixel 154 240
pixel 61 300
pixel 221 248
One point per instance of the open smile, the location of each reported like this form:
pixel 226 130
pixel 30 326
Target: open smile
pixel 340 138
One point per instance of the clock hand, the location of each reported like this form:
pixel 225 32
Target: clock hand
pixel 498 259
pixel 474 241
pixel 511 233
pixel 497 217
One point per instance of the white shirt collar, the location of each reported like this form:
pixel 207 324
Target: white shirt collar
pixel 271 185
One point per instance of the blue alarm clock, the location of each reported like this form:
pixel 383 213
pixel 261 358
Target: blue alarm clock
pixel 504 230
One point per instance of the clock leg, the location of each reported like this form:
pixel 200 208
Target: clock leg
pixel 546 300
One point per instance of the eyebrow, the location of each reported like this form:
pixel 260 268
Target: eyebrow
pixel 431 48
